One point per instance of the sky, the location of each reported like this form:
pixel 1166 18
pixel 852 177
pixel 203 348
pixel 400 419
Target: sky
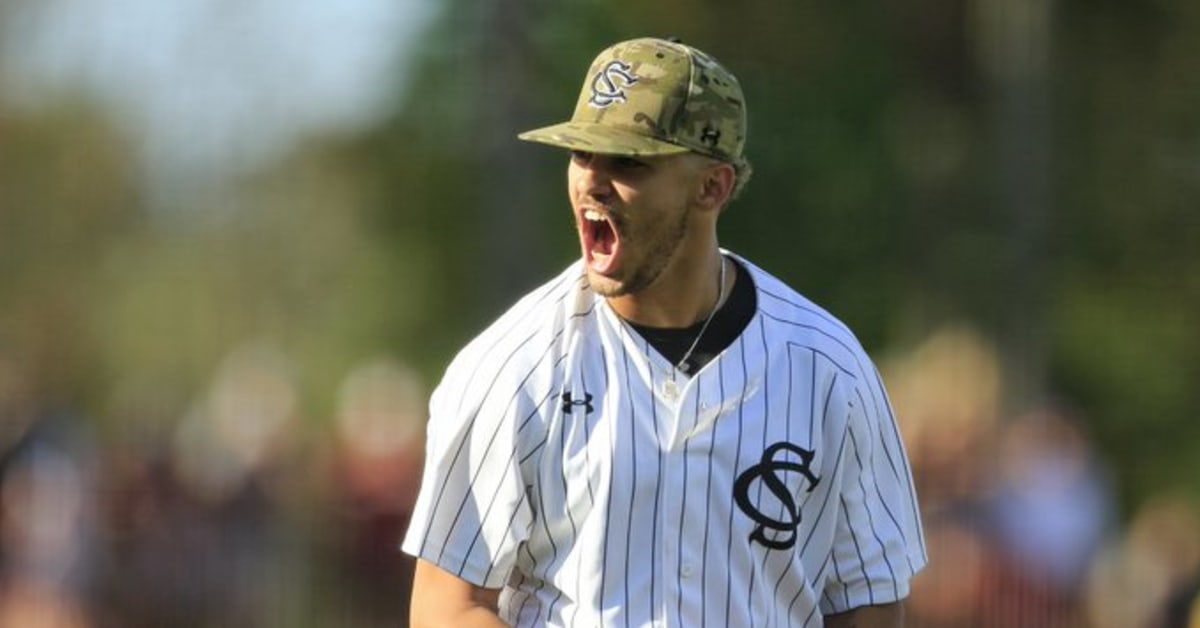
pixel 210 88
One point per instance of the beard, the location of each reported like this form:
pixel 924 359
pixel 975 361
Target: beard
pixel 661 246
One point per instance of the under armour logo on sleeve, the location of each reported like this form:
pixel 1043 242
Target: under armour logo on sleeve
pixel 569 403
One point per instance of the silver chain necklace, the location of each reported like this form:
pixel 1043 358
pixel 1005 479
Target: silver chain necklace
pixel 670 388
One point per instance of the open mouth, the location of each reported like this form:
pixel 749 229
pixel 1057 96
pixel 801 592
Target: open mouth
pixel 600 241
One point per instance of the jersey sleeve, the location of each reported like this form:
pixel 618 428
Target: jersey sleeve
pixel 879 544
pixel 472 512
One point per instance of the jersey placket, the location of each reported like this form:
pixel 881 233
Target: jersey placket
pixel 687 418
pixel 680 417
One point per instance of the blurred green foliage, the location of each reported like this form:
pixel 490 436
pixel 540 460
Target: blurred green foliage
pixel 898 181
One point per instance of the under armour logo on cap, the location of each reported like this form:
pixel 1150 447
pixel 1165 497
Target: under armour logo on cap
pixel 609 85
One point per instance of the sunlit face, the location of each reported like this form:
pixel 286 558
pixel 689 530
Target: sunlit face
pixel 632 215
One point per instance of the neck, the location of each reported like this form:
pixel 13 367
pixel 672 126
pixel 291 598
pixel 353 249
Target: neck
pixel 683 295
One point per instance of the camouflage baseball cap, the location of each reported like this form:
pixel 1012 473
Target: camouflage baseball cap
pixel 654 97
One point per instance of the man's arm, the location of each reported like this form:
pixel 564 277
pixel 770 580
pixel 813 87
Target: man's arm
pixel 440 598
pixel 882 616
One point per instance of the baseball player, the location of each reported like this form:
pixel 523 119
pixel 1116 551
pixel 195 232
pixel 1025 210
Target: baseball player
pixel 664 434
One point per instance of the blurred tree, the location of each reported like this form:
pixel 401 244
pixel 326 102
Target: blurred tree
pixel 67 196
pixel 294 266
pixel 1125 229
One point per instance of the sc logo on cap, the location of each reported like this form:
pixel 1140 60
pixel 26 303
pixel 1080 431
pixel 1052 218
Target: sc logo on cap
pixel 609 84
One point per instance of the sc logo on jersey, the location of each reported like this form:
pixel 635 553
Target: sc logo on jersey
pixel 608 86
pixel 776 530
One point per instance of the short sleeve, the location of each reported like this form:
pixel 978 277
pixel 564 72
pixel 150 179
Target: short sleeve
pixel 472 512
pixel 879 545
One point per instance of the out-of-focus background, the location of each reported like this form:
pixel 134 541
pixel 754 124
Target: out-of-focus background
pixel 239 240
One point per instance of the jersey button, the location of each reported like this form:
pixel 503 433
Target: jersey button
pixel 685 570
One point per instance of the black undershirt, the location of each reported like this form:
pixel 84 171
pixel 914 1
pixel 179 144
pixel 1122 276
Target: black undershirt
pixel 727 324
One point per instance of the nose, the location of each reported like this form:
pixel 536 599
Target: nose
pixel 590 177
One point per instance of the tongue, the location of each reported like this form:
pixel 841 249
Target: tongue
pixel 603 248
pixel 604 240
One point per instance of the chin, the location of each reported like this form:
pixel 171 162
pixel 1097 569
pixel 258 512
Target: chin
pixel 605 286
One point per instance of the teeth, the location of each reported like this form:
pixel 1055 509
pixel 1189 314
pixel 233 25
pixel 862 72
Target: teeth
pixel 593 215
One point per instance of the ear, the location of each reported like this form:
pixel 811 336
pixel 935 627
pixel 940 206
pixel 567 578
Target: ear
pixel 716 185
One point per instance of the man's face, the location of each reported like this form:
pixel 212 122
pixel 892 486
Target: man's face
pixel 632 214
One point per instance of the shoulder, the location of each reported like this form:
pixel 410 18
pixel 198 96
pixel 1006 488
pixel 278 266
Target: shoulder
pixel 544 311
pixel 788 317
pixel 521 338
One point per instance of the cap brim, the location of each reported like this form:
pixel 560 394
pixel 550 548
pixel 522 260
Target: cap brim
pixel 601 139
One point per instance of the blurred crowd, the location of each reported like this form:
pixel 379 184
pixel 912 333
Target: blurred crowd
pixel 241 511
pixel 1020 511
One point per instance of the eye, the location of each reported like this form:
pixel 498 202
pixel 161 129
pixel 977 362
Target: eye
pixel 580 157
pixel 629 163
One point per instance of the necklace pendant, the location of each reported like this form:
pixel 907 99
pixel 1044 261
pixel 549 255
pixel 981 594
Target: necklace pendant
pixel 670 390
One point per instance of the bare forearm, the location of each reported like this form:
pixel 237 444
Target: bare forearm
pixel 882 616
pixel 477 617
pixel 442 599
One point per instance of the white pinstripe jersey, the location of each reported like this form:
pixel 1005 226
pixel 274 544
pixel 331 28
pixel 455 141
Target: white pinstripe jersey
pixel 774 490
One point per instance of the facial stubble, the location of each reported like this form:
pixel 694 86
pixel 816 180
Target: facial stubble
pixel 664 248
